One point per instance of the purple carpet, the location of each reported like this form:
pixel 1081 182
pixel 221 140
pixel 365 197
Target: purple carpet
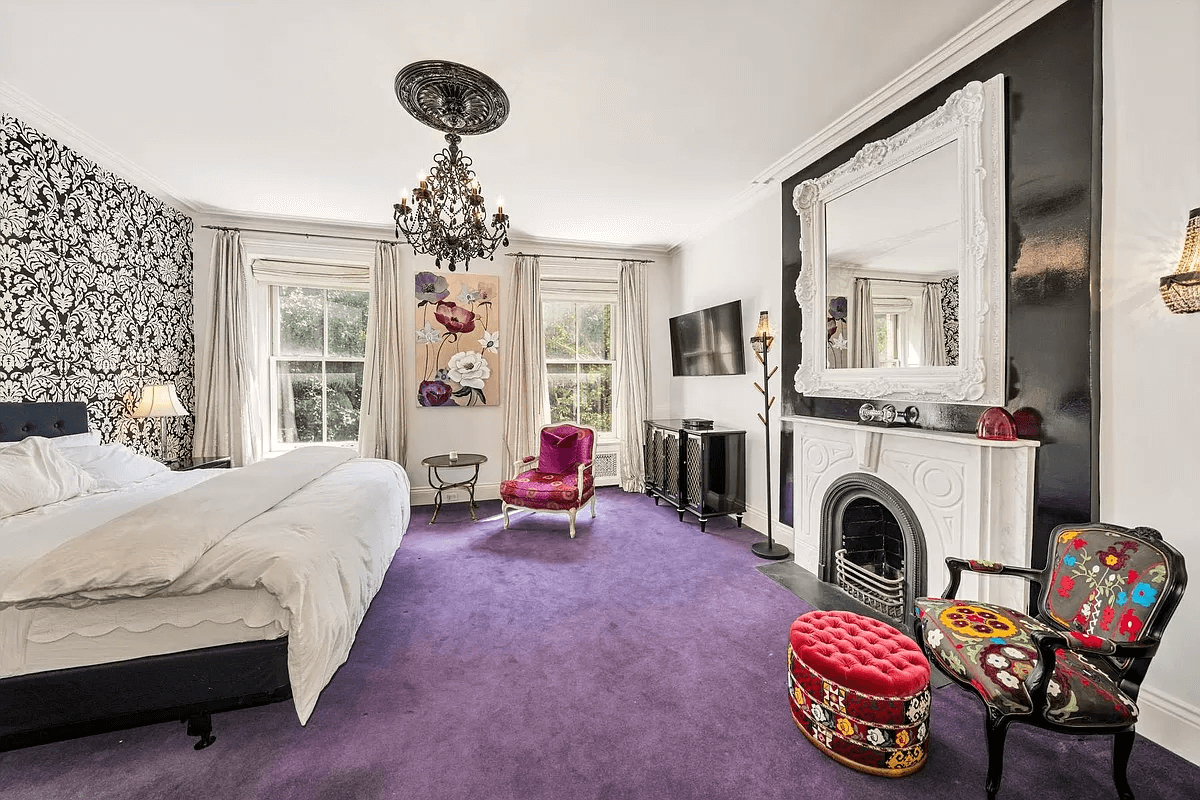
pixel 642 659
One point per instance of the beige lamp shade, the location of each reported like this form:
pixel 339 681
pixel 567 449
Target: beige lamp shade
pixel 159 400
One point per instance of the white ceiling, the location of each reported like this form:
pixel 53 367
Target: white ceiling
pixel 906 222
pixel 632 123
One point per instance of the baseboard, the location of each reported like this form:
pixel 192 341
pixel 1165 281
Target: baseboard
pixel 423 495
pixel 1170 722
pixel 755 519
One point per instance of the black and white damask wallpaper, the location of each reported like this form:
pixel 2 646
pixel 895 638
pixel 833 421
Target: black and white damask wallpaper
pixel 95 289
pixel 950 318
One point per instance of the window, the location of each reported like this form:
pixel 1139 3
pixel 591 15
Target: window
pixel 888 328
pixel 318 342
pixel 897 334
pixel 579 362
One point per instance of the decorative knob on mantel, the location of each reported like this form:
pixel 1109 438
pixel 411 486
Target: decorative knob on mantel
pixel 888 414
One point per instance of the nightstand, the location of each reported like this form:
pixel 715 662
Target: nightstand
pixel 200 462
pixel 437 482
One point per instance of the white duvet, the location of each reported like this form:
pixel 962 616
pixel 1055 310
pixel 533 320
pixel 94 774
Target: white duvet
pixel 321 551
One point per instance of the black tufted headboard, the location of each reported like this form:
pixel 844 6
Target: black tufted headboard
pixel 19 420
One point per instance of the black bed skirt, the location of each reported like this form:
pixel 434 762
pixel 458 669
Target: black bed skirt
pixel 66 703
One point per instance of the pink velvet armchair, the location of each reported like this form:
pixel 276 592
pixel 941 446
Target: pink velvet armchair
pixel 559 478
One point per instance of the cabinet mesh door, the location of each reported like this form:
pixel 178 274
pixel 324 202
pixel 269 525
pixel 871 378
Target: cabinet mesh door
pixel 694 469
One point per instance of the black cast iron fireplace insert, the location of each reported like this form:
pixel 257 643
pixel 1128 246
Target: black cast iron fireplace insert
pixel 872 546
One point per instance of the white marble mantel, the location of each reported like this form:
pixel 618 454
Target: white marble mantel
pixel 972 497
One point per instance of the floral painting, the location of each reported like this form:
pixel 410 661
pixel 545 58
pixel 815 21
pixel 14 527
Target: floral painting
pixel 458 339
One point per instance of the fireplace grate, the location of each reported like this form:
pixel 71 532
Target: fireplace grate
pixel 884 593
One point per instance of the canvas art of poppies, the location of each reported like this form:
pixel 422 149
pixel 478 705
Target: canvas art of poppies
pixel 458 339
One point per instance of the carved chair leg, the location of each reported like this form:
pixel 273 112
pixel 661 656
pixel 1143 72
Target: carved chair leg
pixel 996 730
pixel 1122 747
pixel 571 514
pixel 505 510
pixel 593 506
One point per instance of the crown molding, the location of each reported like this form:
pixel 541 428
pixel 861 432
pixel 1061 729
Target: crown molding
pixel 289 224
pixel 994 27
pixel 286 224
pixel 975 40
pixel 22 106
pixel 579 247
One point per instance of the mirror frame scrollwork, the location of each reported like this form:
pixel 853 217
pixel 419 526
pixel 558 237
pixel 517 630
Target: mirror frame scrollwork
pixel 974 118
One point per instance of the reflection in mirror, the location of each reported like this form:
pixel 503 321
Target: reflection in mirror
pixel 890 240
pixel 892 267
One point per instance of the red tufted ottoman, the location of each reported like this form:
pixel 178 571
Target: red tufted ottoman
pixel 859 691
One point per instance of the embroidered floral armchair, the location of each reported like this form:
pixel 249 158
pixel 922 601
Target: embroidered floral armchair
pixel 1105 597
pixel 561 476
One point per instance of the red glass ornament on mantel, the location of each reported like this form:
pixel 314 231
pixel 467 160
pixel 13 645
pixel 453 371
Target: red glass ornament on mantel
pixel 996 424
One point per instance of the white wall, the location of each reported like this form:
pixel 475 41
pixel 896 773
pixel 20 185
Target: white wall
pixel 430 430
pixel 1150 365
pixel 741 259
pixel 1150 358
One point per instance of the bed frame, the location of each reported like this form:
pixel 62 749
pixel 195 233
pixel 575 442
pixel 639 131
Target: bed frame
pixel 188 686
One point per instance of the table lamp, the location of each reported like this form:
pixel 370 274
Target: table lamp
pixel 159 400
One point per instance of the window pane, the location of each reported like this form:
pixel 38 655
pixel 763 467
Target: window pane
pixel 595 331
pixel 343 399
pixel 558 323
pixel 347 323
pixel 563 399
pixel 301 321
pixel 595 404
pixel 299 392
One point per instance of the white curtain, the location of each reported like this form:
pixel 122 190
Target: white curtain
pixel 226 401
pixel 633 373
pixel 863 351
pixel 933 342
pixel 383 426
pixel 526 402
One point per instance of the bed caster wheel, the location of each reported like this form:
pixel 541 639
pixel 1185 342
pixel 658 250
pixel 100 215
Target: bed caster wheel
pixel 201 726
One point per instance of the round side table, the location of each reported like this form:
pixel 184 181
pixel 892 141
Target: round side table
pixel 434 463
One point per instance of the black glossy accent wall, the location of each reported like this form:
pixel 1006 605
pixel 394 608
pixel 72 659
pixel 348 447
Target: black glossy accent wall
pixel 1052 82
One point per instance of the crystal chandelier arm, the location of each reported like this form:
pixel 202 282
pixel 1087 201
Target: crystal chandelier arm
pixel 448 216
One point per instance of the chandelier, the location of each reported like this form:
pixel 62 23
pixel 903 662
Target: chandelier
pixel 447 215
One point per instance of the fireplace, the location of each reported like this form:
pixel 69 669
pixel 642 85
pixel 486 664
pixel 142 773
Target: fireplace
pixel 949 494
pixel 872 546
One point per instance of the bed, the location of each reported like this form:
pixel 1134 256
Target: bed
pixel 254 600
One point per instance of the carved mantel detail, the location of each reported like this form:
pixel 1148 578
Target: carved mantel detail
pixel 972 497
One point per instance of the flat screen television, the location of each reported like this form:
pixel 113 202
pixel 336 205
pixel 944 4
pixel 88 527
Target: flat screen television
pixel 709 341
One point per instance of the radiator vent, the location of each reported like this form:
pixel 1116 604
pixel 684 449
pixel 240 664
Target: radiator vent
pixel 604 468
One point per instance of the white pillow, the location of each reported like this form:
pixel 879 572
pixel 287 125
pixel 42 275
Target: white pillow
pixel 71 440
pixel 113 465
pixel 33 473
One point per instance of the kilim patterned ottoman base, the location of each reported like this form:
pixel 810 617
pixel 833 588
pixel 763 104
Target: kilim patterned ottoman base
pixel 859 691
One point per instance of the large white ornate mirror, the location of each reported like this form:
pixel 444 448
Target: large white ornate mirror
pixel 902 282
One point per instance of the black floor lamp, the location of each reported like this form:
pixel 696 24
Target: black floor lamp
pixel 762 341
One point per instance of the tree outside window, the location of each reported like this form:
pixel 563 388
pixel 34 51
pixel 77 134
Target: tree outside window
pixel 318 345
pixel 579 363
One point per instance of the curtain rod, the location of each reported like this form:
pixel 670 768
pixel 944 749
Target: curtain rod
pixel 305 235
pixel 901 280
pixel 583 258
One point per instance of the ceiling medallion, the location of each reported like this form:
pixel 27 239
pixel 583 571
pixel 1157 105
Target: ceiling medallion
pixel 447 215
